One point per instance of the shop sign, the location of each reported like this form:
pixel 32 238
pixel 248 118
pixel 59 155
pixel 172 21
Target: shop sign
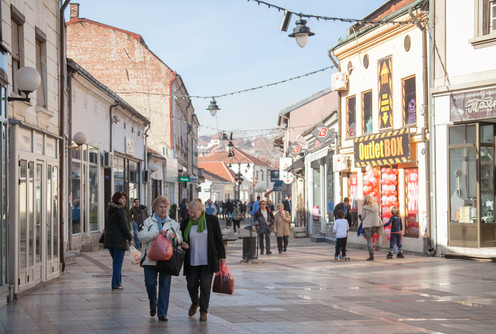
pixel 321 132
pixel 284 163
pixel 287 177
pixel 385 92
pixel 296 150
pixel 387 148
pixel 184 178
pixel 473 105
pixel 274 175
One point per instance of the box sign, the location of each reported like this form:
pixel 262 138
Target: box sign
pixel 392 147
pixel 184 178
pixel 274 175
pixel 473 105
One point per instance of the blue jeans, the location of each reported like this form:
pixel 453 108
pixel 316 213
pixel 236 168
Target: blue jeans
pixel 199 277
pixel 392 238
pixel 117 259
pixel 137 243
pixel 164 285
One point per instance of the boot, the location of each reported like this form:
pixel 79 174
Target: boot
pixel 203 316
pixel 192 309
pixel 389 255
pixel 400 254
pixel 371 257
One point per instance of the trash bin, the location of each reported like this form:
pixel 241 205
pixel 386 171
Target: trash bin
pixel 250 248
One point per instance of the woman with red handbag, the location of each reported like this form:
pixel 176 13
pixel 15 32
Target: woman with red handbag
pixel 158 224
pixel 204 252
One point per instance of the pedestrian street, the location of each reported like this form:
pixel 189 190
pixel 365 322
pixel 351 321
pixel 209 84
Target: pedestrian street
pixel 301 291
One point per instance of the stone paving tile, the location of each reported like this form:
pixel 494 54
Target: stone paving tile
pixel 301 291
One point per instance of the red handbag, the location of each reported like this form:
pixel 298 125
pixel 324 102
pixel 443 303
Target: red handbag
pixel 223 280
pixel 160 249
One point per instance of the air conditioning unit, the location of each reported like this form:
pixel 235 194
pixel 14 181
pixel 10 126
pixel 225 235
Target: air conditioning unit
pixel 339 81
pixel 108 160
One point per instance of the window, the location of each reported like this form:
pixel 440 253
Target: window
pixel 485 23
pixel 17 20
pixel 367 112
pixel 409 102
pixel 41 67
pixel 351 116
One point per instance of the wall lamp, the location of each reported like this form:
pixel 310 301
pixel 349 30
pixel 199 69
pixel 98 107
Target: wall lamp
pixel 78 139
pixel 27 80
pixel 213 108
pixel 153 167
pixel 301 33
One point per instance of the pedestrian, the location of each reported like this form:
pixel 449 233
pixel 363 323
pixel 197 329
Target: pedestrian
pixel 270 205
pixel 281 227
pixel 183 209
pixel 137 221
pixel 371 222
pixel 341 228
pixel 346 207
pixel 255 206
pixel 210 208
pixel 264 219
pixel 287 203
pixel 237 216
pixel 204 253
pixel 117 235
pixel 396 230
pixel 158 223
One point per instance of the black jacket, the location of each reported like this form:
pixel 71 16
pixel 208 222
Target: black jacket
pixel 116 227
pixel 215 245
pixel 340 206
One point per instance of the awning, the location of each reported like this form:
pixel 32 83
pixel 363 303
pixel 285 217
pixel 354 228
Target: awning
pixel 268 193
pixel 297 165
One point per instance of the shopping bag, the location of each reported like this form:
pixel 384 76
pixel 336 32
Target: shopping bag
pixel 174 264
pixel 160 249
pixel 223 280
pixel 135 255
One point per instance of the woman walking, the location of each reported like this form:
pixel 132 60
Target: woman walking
pixel 158 223
pixel 204 252
pixel 117 235
pixel 237 215
pixel 371 222
pixel 281 227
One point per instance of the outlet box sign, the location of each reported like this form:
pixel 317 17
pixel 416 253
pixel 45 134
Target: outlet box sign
pixel 392 147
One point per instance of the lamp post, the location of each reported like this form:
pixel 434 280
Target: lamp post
pixel 238 179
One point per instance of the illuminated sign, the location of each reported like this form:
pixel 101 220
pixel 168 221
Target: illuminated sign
pixel 387 148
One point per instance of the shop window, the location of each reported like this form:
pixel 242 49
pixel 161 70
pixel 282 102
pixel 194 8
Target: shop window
pixel 412 201
pixel 351 117
pixel 93 188
pixel 389 192
pixel 409 101
pixel 367 112
pixel 353 191
pixel 485 23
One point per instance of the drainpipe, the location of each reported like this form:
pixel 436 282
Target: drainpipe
pixel 62 142
pixel 338 145
pixel 171 84
pixel 145 167
pixel 428 158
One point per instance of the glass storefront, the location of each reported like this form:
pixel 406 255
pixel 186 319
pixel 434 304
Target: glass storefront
pixel 127 176
pixel 471 185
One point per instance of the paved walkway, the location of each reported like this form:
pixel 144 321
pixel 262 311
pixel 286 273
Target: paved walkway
pixel 301 291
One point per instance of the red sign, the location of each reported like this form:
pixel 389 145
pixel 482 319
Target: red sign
pixel 412 199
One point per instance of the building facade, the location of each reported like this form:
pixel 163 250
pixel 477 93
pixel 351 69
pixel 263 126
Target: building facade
pixel 384 117
pixel 464 100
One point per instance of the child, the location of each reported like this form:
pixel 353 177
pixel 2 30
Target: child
pixel 396 229
pixel 341 228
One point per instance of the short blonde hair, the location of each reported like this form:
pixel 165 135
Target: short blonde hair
pixel 160 200
pixel 395 211
pixel 196 205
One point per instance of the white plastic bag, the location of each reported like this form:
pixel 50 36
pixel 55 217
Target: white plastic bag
pixel 135 255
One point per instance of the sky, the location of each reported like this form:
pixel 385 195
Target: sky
pixel 224 46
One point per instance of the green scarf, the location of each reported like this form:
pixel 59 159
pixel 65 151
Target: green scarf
pixel 201 226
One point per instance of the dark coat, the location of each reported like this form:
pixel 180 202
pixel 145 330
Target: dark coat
pixel 340 206
pixel 116 227
pixel 215 245
pixel 264 226
pixel 396 225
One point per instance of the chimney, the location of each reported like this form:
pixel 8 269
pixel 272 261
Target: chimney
pixel 74 10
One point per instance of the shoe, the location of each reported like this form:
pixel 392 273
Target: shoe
pixel 400 255
pixel 269 252
pixel 285 249
pixel 280 252
pixel 261 253
pixel 203 316
pixel 162 319
pixel 153 312
pixel 389 255
pixel 335 258
pixel 371 258
pixel 117 287
pixel 192 309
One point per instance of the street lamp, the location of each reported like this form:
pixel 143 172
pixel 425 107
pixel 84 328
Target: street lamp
pixel 301 33
pixel 213 107
pixel 238 179
pixel 27 80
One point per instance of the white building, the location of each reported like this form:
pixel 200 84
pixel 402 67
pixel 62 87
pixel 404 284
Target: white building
pixel 464 102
